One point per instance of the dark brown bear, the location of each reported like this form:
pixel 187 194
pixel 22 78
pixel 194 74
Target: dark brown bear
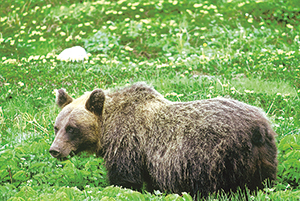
pixel 197 147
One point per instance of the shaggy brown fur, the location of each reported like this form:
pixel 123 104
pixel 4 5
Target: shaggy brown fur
pixel 197 147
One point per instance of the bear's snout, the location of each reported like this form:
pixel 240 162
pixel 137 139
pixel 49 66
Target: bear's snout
pixel 62 152
pixel 54 152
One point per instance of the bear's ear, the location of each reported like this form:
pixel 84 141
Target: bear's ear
pixel 62 98
pixel 95 102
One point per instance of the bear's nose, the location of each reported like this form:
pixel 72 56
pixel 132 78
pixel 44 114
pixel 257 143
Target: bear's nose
pixel 54 152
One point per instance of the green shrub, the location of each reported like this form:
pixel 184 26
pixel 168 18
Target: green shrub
pixel 289 163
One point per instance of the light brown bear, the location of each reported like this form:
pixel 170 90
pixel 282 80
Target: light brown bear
pixel 198 147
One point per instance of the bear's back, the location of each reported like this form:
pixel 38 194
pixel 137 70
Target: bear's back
pixel 202 141
pixel 220 116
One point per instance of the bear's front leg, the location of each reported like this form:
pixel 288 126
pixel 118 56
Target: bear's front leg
pixel 125 169
pixel 122 175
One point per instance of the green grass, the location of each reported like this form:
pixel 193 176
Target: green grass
pixel 188 50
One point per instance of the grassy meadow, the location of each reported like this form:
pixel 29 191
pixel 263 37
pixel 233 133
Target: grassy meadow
pixel 187 50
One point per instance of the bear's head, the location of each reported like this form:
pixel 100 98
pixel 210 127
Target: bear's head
pixel 78 125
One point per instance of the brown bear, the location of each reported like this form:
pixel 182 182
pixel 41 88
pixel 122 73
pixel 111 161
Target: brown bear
pixel 198 147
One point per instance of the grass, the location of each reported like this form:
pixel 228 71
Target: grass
pixel 188 50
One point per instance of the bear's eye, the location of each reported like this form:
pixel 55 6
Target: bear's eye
pixel 70 129
pixel 55 129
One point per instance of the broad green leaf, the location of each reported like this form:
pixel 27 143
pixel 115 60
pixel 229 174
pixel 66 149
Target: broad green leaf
pixel 132 195
pixel 187 197
pixel 20 176
pixel 106 198
pixel 16 199
pixel 26 192
pixel 3 173
pixel 38 165
pixel 173 197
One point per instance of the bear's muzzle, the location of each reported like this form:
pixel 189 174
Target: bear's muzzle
pixel 54 151
pixel 61 149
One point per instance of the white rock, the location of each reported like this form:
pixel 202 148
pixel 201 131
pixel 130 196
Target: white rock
pixel 75 53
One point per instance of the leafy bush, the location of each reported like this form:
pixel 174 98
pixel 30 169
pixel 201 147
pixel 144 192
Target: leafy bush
pixel 289 163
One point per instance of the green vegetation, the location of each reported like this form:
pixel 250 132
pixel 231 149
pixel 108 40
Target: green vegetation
pixel 188 50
